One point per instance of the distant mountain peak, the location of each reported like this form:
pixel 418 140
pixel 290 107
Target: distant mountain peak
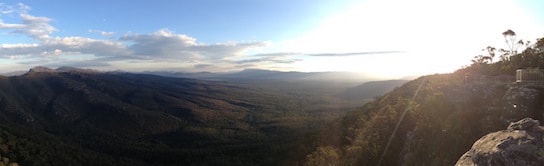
pixel 74 69
pixel 257 70
pixel 41 69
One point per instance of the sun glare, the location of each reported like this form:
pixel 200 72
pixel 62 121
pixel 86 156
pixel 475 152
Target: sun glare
pixel 440 42
pixel 386 66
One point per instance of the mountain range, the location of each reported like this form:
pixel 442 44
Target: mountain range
pixel 259 74
pixel 81 116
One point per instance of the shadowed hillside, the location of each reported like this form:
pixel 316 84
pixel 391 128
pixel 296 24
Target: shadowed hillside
pixel 376 88
pixel 82 116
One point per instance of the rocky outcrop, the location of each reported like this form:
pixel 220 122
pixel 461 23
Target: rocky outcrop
pixel 520 144
pixel 523 100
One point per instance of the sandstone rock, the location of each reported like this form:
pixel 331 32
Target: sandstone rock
pixel 521 144
pixel 524 124
pixel 521 100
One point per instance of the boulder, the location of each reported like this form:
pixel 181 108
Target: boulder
pixel 520 144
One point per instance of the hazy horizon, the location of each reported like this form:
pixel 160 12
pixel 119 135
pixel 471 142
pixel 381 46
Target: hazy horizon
pixel 349 75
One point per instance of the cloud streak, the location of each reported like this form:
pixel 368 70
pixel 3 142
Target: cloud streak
pixel 355 53
pixel 278 54
pixel 165 44
pixel 103 33
pixel 267 60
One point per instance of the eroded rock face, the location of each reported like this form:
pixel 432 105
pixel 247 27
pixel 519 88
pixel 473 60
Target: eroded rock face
pixel 520 144
pixel 523 100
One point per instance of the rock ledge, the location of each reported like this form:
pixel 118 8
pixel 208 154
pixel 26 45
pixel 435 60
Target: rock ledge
pixel 520 144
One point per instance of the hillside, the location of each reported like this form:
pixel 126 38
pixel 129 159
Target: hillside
pixel 445 114
pixel 434 119
pixel 376 88
pixel 70 116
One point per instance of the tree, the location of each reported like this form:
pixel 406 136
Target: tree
pixel 480 59
pixel 513 45
pixel 510 38
pixel 490 54
pixel 539 45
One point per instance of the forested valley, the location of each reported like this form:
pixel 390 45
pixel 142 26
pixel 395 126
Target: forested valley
pixel 71 116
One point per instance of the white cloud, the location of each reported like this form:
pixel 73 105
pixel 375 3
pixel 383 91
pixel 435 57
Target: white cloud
pixel 162 45
pixel 65 45
pixel 33 26
pixel 19 45
pixel 36 27
pixel 10 26
pixel 23 8
pixel 165 44
pixel 159 47
pixel 268 59
pixel 6 9
pixel 82 45
pixel 19 49
pixel 103 33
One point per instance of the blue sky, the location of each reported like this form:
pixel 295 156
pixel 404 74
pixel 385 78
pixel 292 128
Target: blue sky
pixel 210 21
pixel 402 37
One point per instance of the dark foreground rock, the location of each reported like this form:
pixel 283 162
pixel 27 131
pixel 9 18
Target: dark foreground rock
pixel 520 144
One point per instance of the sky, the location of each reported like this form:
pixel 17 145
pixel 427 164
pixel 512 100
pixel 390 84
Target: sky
pixel 382 38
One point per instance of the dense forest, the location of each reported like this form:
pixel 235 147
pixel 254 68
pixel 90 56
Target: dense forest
pixel 82 117
pixel 434 119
